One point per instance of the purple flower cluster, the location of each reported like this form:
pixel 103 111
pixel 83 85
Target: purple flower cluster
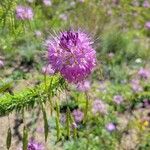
pixel 33 145
pixel 78 115
pixel 99 107
pixel 24 13
pixel 118 99
pixel 71 53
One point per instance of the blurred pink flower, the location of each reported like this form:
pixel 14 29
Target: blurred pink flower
pixel 47 2
pixel 144 73
pixel 78 115
pixel 83 86
pixel 147 25
pixel 38 33
pixel 63 17
pixel 24 13
pixel 110 127
pixel 99 107
pixel 135 85
pixel 118 99
pixel 146 4
pixel 48 70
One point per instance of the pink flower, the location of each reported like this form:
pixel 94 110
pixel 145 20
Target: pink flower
pixel 38 33
pixel 147 25
pixel 144 73
pixel 71 53
pixel 33 145
pixel 99 107
pixel 135 85
pixel 83 86
pixel 118 99
pixel 78 115
pixel 24 13
pixel 47 2
pixel 110 127
pixel 146 4
pixel 48 70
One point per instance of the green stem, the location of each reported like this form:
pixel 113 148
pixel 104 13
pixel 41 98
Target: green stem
pixel 57 121
pixel 68 123
pixel 86 107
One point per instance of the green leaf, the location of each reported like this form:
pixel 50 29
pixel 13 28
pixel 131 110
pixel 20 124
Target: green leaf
pixel 8 140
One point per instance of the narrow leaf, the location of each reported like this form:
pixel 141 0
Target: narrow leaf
pixel 8 141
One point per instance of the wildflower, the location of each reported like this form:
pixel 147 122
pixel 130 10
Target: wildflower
pixel 146 4
pixel 1 64
pixel 38 33
pixel 78 115
pixel 48 70
pixel 74 125
pixel 135 85
pixel 84 86
pixel 47 2
pixel 33 145
pixel 99 107
pixel 110 127
pixel 118 99
pixel 24 13
pixel 144 73
pixel 147 25
pixel 71 53
pixel 63 17
pixel 146 103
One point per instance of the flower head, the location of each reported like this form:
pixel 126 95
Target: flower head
pixel 47 2
pixel 48 70
pixel 146 4
pixel 38 33
pixel 84 86
pixel 24 13
pixel 144 73
pixel 99 107
pixel 110 127
pixel 78 115
pixel 118 99
pixel 72 54
pixel 33 145
pixel 147 25
pixel 135 85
